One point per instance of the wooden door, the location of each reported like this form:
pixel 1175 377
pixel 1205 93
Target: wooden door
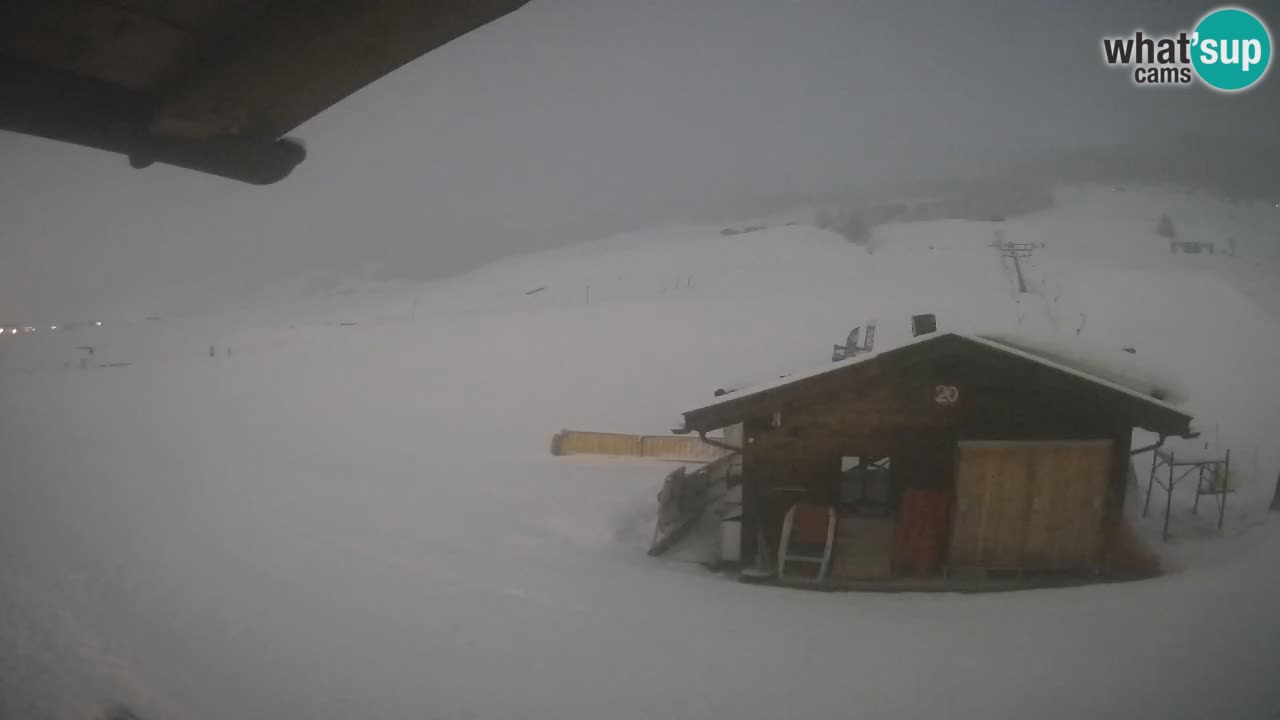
pixel 1069 491
pixel 992 497
pixel 1030 505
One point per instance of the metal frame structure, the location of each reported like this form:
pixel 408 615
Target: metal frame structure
pixel 822 561
pixel 1015 252
pixel 853 346
pixel 1211 479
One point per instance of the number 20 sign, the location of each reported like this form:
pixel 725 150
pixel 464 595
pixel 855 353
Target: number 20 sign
pixel 946 394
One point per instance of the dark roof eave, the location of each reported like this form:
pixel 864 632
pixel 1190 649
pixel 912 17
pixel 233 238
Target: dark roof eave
pixel 1147 413
pixel 1169 423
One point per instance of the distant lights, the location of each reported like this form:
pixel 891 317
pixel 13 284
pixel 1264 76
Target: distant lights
pixel 24 329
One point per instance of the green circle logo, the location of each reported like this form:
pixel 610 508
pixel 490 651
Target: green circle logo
pixel 1231 49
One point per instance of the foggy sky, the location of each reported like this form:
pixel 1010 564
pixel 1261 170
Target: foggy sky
pixel 572 119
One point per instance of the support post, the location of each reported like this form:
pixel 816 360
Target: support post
pixel 1151 477
pixel 1195 505
pixel 1168 502
pixel 1226 474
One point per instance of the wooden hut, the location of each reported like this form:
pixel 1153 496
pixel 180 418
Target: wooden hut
pixel 949 457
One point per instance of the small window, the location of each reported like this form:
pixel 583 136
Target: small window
pixel 865 486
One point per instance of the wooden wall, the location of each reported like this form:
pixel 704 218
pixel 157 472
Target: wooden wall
pixel 917 416
pixel 1030 505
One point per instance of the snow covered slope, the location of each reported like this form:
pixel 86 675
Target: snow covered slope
pixel 350 511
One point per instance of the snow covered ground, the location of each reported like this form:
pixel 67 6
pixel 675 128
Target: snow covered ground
pixel 362 520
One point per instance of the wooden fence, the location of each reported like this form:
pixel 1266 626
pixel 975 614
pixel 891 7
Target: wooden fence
pixel 663 447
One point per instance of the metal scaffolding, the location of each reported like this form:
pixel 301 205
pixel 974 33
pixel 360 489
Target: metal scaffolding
pixel 1211 472
pixel 1017 252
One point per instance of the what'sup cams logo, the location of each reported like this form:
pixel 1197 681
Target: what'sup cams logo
pixel 1229 50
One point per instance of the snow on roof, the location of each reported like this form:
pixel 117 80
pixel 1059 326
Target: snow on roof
pixel 732 387
pixel 812 372
pixel 890 336
pixel 987 342
pixel 1104 362
pixel 1071 370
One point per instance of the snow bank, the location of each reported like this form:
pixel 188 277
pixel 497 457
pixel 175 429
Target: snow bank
pixel 363 520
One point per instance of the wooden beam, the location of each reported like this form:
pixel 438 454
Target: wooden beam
pixel 287 61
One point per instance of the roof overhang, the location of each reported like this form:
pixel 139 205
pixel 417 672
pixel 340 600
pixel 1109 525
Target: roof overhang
pixel 210 85
pixel 814 386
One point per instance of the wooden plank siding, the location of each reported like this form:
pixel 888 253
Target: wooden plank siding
pixel 992 498
pixel 1069 489
pixel 864 548
pixel 991 384
pixel 1052 501
pixel 1031 505
pixel 663 447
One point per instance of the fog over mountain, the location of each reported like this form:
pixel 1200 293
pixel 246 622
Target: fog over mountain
pixel 573 119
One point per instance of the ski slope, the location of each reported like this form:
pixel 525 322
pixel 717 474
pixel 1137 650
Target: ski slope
pixel 353 513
